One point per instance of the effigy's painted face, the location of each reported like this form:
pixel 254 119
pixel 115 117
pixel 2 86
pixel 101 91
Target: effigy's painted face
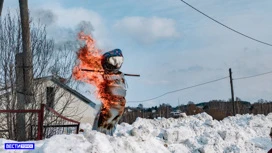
pixel 116 61
pixel 112 60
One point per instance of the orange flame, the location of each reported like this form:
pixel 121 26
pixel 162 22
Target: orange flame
pixel 90 58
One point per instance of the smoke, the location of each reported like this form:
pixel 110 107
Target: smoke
pixel 46 17
pixel 59 32
pixel 63 25
pixel 85 27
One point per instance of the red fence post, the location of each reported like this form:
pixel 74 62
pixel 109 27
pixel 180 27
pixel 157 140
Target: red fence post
pixel 40 123
pixel 77 128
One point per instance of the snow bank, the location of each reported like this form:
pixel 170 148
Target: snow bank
pixel 191 134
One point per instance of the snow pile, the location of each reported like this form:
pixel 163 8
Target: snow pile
pixel 191 134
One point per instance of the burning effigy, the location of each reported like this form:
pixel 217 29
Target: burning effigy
pixel 102 71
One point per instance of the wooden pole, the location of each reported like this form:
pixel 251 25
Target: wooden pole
pixel 1 6
pixel 25 77
pixel 20 117
pixel 27 65
pixel 232 92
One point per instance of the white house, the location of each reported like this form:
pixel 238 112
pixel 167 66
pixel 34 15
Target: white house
pixel 54 92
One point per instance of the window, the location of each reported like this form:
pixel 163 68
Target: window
pixel 50 96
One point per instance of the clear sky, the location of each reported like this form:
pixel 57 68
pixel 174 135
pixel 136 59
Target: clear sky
pixel 171 45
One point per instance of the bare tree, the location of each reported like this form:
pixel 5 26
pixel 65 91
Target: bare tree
pixel 47 59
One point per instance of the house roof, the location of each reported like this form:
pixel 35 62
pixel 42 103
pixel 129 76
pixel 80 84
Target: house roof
pixel 72 91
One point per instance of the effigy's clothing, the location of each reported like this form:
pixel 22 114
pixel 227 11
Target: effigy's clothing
pixel 117 85
pixel 109 115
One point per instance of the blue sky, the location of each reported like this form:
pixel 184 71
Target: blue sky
pixel 171 45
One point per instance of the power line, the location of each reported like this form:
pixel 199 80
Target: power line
pixel 246 77
pixel 179 90
pixel 226 25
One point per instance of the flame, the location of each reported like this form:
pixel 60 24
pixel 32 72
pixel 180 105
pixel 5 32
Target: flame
pixel 90 58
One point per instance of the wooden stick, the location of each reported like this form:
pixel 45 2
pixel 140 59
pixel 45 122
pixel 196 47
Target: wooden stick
pixel 126 74
pixel 135 75
pixel 92 70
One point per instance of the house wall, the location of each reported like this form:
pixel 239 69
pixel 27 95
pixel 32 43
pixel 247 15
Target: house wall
pixel 75 108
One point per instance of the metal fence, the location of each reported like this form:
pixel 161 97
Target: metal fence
pixel 40 130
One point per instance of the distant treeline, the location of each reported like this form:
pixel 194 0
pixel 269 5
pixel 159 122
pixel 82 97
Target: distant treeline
pixel 218 109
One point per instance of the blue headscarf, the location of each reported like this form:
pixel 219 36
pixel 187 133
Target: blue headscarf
pixel 115 52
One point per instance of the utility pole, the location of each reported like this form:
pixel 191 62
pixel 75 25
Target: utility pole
pixel 20 117
pixel 160 108
pixel 1 6
pixel 179 105
pixel 232 92
pixel 166 115
pixel 25 77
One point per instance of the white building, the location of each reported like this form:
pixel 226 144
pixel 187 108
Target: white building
pixel 55 93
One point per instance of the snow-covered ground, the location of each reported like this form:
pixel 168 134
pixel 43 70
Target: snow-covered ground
pixel 196 134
